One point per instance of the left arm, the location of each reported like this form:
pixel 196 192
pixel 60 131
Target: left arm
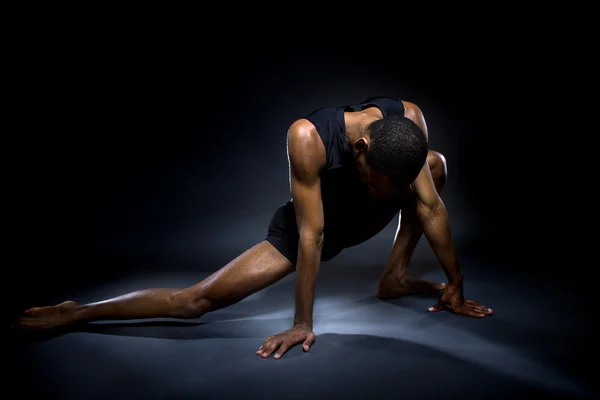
pixel 431 209
pixel 436 228
pixel 433 216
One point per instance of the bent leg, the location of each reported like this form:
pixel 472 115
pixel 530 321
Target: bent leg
pixel 394 281
pixel 255 269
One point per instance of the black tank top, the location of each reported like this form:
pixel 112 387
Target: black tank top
pixel 342 190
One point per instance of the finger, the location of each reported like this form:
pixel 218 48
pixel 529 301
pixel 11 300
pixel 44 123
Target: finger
pixel 470 312
pixel 282 350
pixel 436 307
pixel 261 349
pixel 310 340
pixel 484 310
pixel 479 307
pixel 473 304
pixel 271 347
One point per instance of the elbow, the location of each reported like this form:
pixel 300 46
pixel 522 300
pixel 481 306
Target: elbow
pixel 431 211
pixel 312 236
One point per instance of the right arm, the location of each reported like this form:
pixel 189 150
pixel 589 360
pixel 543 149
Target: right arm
pixel 306 154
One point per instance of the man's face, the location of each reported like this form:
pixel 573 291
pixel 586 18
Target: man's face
pixel 379 184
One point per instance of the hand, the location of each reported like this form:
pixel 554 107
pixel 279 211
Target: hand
pixel 284 341
pixel 453 300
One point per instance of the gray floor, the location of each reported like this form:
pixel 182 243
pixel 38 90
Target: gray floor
pixel 365 347
pixel 120 188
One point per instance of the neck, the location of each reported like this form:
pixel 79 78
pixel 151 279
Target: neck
pixel 356 125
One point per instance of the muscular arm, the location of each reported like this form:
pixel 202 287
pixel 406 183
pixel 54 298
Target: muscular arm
pixel 431 210
pixel 434 219
pixel 306 154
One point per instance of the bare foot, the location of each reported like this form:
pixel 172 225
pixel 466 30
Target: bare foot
pixel 391 287
pixel 45 318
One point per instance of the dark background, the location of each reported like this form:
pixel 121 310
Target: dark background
pixel 131 158
pixel 149 151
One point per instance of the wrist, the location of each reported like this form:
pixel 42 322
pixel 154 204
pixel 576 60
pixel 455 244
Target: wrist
pixel 303 325
pixel 455 279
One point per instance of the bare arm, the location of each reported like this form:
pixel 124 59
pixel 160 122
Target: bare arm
pixel 434 219
pixel 431 210
pixel 306 154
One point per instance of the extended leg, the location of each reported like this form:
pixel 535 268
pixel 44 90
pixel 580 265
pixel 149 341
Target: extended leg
pixel 255 269
pixel 394 281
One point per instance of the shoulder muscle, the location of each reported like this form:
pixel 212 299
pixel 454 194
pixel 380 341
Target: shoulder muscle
pixel 306 152
pixel 414 113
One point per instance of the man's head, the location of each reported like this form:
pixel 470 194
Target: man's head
pixel 390 154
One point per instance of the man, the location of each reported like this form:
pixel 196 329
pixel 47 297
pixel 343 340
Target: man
pixel 352 169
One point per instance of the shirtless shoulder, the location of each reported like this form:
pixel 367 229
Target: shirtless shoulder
pixel 414 113
pixel 305 147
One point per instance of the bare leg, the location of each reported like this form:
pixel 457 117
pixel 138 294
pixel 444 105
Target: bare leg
pixel 394 281
pixel 255 269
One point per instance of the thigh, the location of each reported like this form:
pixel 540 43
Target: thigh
pixel 258 267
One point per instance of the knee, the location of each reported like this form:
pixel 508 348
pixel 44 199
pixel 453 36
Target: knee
pixel 439 167
pixel 189 303
pixel 437 162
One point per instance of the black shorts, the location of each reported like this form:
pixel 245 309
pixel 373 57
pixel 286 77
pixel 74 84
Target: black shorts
pixel 283 235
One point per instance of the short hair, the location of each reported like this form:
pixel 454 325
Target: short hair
pixel 398 148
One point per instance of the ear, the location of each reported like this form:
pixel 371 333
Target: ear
pixel 361 145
